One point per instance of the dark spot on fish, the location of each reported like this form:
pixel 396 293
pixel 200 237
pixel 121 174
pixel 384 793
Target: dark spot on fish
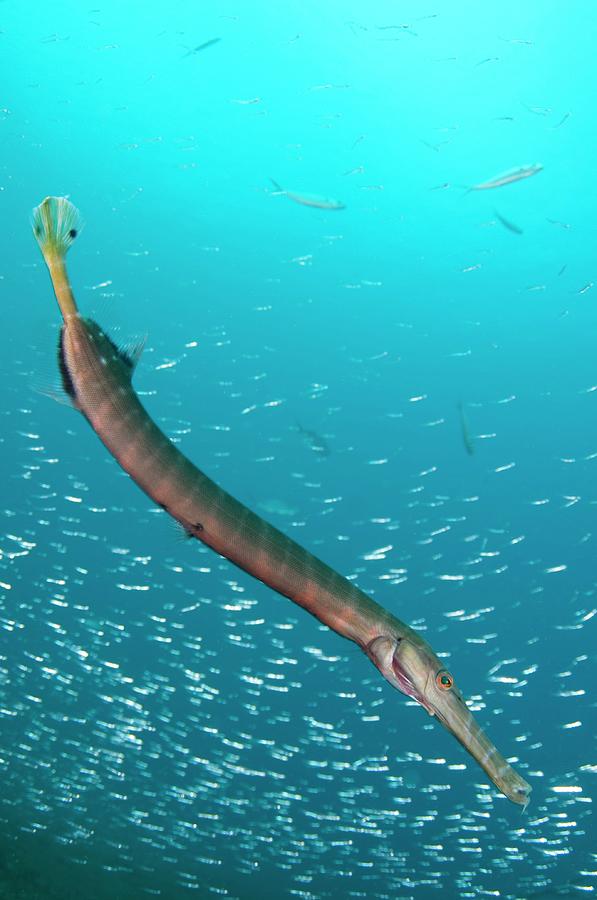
pixel 73 233
pixel 37 230
pixel 191 531
pixel 67 382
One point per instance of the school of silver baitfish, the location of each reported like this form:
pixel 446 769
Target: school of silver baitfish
pixel 184 710
pixel 175 729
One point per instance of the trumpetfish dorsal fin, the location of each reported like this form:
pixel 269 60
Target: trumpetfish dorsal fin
pixel 129 352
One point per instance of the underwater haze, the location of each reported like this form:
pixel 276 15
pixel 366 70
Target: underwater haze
pixel 358 240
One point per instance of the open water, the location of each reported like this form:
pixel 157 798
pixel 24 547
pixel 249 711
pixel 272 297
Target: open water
pixel 404 379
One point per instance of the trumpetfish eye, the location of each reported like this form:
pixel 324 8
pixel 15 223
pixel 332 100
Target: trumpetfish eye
pixel 444 680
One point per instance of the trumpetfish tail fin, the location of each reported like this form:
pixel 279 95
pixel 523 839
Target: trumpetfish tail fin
pixel 56 223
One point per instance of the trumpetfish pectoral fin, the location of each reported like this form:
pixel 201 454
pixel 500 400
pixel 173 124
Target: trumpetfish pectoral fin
pixel 56 224
pixel 55 392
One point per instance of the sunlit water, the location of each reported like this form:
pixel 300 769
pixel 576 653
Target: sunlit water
pixel 170 727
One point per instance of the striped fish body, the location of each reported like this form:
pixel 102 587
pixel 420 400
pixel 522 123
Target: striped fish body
pixel 98 378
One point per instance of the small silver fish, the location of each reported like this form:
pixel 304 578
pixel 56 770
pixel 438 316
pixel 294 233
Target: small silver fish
pixel 467 439
pixel 515 229
pixel 202 46
pixel 508 178
pixel 561 224
pixel 313 200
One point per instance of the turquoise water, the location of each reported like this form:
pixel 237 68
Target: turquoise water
pixel 170 727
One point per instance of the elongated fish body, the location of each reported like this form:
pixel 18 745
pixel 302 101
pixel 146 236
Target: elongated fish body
pixel 511 226
pixel 314 200
pixel 203 46
pixel 100 383
pixel 98 378
pixel 467 440
pixel 508 178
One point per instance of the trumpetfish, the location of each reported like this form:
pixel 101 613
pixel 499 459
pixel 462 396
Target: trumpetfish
pixel 97 376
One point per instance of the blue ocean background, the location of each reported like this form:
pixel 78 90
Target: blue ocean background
pixel 170 727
